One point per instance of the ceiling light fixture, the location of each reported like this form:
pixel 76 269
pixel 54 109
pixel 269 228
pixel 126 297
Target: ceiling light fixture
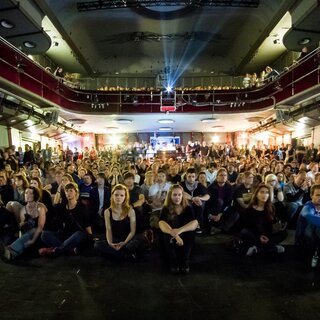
pixel 304 41
pixel 165 121
pixel 7 24
pixel 29 44
pixel 165 129
pixel 122 121
pixel 209 120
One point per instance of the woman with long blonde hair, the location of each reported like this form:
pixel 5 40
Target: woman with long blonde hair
pixel 178 223
pixel 120 222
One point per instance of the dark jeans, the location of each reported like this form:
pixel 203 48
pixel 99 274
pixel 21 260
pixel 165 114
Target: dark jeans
pixel 132 246
pixel 179 256
pixel 64 242
pixel 251 239
pixel 199 212
pixel 227 221
pixel 98 224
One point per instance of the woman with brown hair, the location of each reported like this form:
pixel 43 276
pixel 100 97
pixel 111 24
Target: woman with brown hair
pixel 20 185
pixel 178 223
pixel 260 233
pixel 33 218
pixel 120 221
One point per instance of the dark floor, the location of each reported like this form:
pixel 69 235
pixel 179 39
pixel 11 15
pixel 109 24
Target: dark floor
pixel 221 285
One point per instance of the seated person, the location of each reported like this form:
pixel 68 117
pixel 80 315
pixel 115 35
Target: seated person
pixel 221 215
pixel 308 226
pixel 242 196
pixel 120 220
pixel 137 201
pixel 174 176
pixel 178 222
pixel 75 228
pixel 197 195
pixel 294 193
pixel 157 196
pixel 8 225
pixel 32 221
pixel 99 201
pixel 15 206
pixel 258 233
pixel 6 189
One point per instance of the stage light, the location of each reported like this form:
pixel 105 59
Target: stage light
pixel 169 89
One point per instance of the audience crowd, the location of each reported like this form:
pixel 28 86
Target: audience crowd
pixel 122 202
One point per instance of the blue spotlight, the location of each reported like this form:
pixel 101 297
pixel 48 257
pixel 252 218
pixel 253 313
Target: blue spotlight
pixel 169 89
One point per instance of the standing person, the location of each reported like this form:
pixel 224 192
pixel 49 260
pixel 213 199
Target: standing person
pixel 258 233
pixel 178 222
pixel 33 218
pixel 75 228
pixel 28 156
pixel 120 222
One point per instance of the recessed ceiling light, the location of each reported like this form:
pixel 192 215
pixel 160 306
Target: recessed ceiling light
pixel 165 129
pixel 165 121
pixel 7 24
pixel 209 120
pixel 304 41
pixel 29 44
pixel 122 121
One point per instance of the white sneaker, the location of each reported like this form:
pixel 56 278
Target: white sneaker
pixel 251 251
pixel 280 249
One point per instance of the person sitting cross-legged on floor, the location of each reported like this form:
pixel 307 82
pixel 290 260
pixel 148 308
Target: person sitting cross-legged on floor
pixel 120 220
pixel 178 223
pixel 259 234
pixel 32 220
pixel 75 229
pixel 308 226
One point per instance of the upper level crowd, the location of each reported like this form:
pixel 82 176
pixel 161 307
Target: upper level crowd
pixel 67 198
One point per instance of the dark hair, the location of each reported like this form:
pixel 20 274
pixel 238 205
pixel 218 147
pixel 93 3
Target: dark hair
pixel 268 207
pixel 71 185
pixel 128 175
pixel 190 170
pixel 36 193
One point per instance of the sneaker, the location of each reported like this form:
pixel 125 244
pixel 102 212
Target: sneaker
pixel 280 249
pixel 214 230
pixel 252 251
pixel 199 231
pixel 47 251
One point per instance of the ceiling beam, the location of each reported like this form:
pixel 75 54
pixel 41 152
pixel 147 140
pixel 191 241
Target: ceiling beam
pixel 116 4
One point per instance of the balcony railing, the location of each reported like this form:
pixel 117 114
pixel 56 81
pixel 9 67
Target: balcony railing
pixel 22 76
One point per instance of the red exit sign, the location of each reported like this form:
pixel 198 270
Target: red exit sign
pixel 167 108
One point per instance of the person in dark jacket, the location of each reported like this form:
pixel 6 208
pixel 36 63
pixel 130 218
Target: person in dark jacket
pixel 99 199
pixel 219 210
pixel 259 233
